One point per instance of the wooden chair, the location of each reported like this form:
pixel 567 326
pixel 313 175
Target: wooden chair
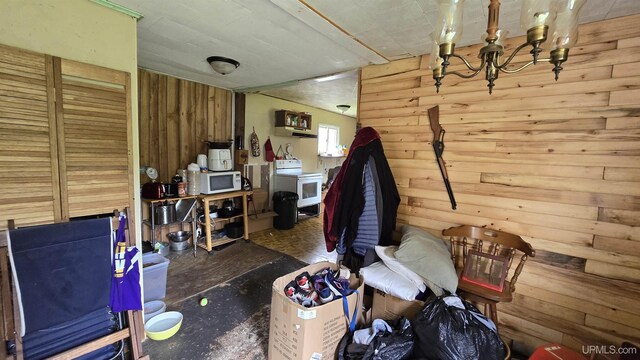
pixel 495 243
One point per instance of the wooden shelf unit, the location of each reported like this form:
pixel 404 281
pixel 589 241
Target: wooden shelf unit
pixel 151 220
pixel 206 199
pixel 298 120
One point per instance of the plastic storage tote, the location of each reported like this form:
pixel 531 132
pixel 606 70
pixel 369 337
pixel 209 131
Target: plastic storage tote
pixel 154 270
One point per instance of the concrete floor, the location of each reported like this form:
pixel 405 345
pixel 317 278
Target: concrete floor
pixel 237 279
pixel 187 275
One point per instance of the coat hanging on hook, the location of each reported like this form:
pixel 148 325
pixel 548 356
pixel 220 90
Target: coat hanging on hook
pixel 268 150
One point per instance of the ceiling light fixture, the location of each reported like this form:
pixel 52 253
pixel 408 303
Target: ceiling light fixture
pixel 343 108
pixel 222 65
pixel 556 18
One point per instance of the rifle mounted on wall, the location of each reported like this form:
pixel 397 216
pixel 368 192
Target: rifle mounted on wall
pixel 438 148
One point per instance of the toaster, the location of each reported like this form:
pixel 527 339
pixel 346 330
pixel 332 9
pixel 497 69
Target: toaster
pixel 152 190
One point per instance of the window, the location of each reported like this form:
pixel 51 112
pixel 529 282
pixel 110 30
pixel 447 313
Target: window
pixel 328 140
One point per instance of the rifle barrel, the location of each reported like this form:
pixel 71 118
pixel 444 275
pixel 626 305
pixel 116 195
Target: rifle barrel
pixel 447 184
pixel 450 192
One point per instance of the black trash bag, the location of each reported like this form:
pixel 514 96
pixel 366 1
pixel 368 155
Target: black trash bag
pixel 394 345
pixel 450 328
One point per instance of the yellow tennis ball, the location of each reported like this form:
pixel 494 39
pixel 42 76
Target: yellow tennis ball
pixel 204 301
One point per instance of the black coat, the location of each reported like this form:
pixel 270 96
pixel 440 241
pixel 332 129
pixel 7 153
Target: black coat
pixel 352 199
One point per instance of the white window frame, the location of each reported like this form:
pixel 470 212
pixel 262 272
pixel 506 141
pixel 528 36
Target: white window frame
pixel 329 152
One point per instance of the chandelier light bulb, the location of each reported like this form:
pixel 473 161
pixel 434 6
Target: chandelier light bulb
pixel 536 13
pixel 451 20
pixel 537 17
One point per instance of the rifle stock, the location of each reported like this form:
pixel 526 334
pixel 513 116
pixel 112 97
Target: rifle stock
pixel 438 148
pixel 434 113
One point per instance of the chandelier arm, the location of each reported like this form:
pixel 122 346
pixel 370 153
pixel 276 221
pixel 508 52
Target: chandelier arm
pixel 513 71
pixel 468 65
pixel 465 76
pixel 513 54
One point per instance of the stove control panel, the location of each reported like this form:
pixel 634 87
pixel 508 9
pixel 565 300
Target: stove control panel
pixel 288 164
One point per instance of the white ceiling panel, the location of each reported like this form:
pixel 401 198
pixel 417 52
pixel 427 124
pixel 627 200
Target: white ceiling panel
pixel 326 94
pixel 622 8
pixel 280 42
pixel 271 45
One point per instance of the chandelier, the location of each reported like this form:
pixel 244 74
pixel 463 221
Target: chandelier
pixel 556 20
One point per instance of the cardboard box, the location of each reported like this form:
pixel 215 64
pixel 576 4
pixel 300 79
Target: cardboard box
pixel 297 332
pixel 389 307
pixel 367 305
pixel 261 201
pixel 242 157
pixel 261 221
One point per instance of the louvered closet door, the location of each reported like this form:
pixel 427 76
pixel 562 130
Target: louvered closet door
pixel 29 192
pixel 93 118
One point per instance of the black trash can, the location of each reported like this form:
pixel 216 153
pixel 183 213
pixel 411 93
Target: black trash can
pixel 285 204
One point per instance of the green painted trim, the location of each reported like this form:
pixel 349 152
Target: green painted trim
pixel 119 8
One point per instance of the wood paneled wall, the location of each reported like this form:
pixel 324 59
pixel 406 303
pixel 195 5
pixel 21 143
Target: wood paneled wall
pixel 555 162
pixel 176 117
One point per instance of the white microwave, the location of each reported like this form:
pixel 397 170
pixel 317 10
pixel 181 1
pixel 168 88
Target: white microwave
pixel 214 182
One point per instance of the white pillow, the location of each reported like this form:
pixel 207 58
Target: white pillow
pixel 379 276
pixel 429 257
pixel 387 254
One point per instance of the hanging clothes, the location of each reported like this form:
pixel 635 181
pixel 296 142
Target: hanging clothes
pixel 367 235
pixel 345 200
pixel 125 284
pixel 269 155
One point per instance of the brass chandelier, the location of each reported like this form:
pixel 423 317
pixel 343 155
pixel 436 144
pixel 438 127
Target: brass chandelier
pixel 556 20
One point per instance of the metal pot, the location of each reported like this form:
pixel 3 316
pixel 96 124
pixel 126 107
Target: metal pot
pixel 179 246
pixel 165 214
pixel 235 229
pixel 178 240
pixel 227 209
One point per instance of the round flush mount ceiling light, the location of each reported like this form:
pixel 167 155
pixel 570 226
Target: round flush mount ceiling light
pixel 222 65
pixel 343 108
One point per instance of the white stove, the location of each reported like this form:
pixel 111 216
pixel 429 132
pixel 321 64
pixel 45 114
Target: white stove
pixel 290 177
